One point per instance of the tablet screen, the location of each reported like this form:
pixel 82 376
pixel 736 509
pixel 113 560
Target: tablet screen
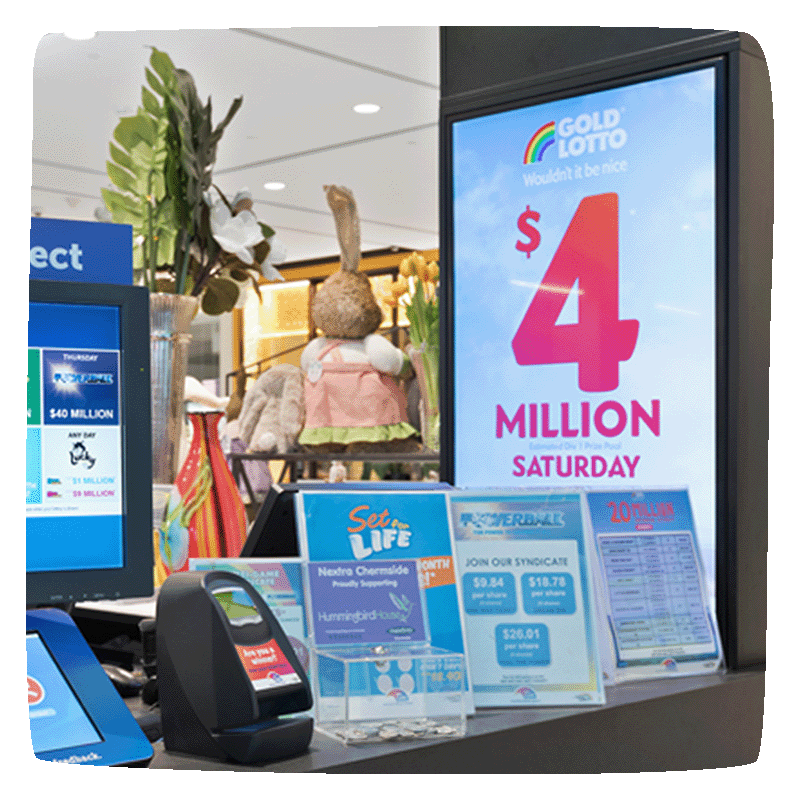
pixel 57 718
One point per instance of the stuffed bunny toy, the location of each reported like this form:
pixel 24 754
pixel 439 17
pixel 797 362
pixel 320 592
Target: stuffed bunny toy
pixel 352 397
pixel 272 410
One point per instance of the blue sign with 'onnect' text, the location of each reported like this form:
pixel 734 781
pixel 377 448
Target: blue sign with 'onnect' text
pixel 88 252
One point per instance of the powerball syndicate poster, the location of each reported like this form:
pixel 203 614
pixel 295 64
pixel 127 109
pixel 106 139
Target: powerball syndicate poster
pixel 584 292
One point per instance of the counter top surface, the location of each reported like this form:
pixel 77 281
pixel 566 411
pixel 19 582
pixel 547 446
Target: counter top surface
pixel 630 712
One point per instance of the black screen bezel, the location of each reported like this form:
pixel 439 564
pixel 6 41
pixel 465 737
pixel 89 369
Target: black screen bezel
pixel 135 577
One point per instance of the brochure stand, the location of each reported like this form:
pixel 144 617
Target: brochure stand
pixel 658 619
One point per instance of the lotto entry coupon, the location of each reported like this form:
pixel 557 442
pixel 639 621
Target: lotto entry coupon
pixel 528 600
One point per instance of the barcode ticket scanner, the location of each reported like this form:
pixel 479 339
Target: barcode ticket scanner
pixel 227 674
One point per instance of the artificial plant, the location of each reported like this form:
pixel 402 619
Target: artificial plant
pixel 188 237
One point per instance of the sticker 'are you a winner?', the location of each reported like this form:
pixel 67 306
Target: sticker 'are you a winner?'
pixel 266 665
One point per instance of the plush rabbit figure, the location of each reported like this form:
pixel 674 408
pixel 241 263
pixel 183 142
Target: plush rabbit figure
pixel 272 410
pixel 351 396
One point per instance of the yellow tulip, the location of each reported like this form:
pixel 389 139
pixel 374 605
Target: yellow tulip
pixel 418 262
pixel 405 267
pixel 400 287
pixel 433 272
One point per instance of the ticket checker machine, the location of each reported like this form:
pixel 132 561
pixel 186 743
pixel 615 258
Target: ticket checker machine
pixel 227 674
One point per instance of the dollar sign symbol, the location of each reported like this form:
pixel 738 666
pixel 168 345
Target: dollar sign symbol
pixel 525 227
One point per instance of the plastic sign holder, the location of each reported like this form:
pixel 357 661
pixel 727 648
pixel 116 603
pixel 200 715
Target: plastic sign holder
pixel 389 693
pixel 227 673
pixel 658 619
pixel 376 676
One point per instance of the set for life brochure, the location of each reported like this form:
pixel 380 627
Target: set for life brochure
pixel 549 595
pixel 371 547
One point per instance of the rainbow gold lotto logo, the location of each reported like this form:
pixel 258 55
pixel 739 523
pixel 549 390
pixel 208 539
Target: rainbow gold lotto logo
pixel 588 133
pixel 540 141
pixel 525 694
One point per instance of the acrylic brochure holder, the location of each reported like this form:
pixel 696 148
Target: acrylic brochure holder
pixel 376 677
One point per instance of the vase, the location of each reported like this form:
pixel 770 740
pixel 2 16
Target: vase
pixel 171 317
pixel 204 516
pixel 425 361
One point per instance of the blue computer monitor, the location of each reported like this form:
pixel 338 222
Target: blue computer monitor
pixel 88 445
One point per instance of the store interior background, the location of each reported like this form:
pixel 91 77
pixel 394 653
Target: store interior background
pixel 80 89
pixel 296 126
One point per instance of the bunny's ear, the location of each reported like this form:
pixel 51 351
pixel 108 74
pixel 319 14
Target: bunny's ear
pixel 345 215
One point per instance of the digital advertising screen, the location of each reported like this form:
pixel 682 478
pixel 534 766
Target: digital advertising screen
pixel 584 292
pixel 73 468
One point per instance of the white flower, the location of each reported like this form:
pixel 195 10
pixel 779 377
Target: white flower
pixel 243 287
pixel 242 194
pixel 276 255
pixel 237 235
pixel 277 250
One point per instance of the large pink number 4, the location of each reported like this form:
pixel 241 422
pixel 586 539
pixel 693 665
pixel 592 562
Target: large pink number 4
pixel 588 254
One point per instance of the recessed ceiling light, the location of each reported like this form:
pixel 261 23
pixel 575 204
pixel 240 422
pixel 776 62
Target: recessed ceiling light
pixel 79 35
pixel 366 108
pixel 274 186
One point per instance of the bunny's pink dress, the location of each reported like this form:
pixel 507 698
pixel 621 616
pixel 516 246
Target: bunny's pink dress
pixel 351 401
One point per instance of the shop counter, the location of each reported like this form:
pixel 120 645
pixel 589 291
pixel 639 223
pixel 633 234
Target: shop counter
pixel 704 722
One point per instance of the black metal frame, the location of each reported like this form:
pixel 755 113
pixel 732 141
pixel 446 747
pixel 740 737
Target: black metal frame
pixel 135 577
